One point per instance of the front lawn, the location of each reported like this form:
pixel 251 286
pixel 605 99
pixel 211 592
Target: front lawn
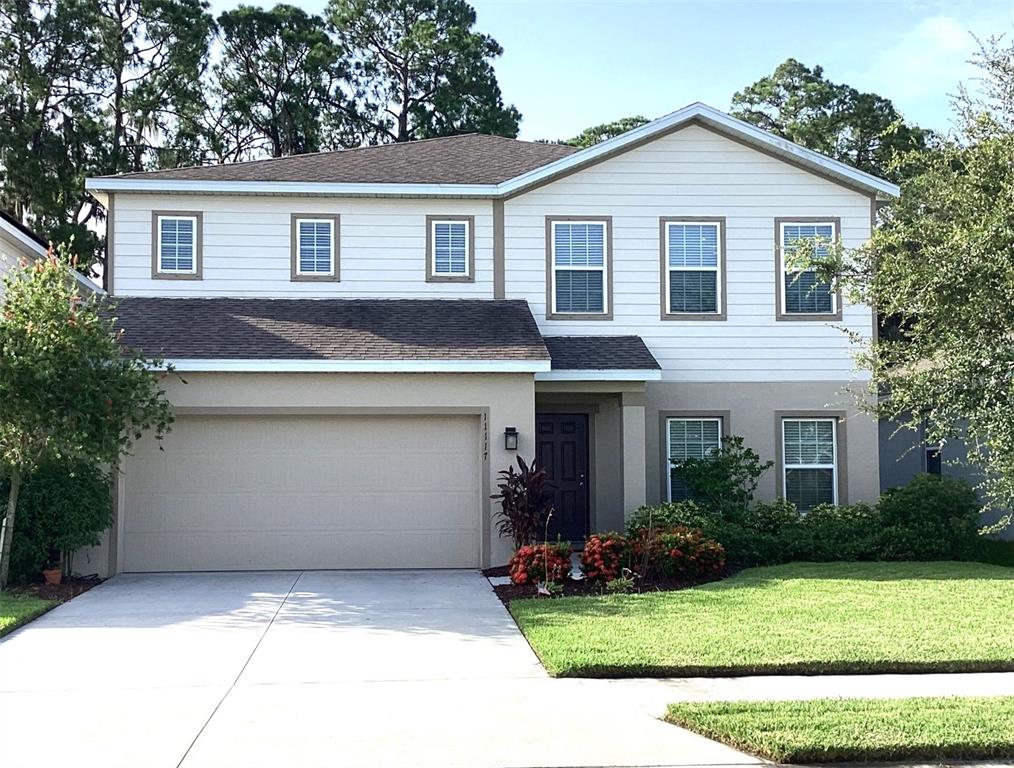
pixel 16 610
pixel 862 730
pixel 805 618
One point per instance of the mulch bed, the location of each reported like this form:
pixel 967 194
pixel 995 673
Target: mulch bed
pixel 68 589
pixel 508 592
pixel 500 570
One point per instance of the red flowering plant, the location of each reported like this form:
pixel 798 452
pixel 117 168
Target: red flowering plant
pixel 679 553
pixel 529 564
pixel 605 555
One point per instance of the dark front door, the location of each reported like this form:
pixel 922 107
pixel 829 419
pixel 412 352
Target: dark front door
pixel 562 448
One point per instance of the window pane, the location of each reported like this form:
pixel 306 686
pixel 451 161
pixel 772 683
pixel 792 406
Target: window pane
pixel 804 293
pixel 315 247
pixel 579 291
pixel 690 439
pixel 176 252
pixel 808 442
pixel 579 245
pixel 450 248
pixel 693 291
pixel 807 488
pixel 693 245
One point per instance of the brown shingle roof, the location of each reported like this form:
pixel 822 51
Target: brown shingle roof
pixel 330 329
pixel 469 159
pixel 599 353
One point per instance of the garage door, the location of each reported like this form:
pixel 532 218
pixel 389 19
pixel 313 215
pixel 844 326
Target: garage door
pixel 242 493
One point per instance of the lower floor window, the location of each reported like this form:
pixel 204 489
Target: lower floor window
pixel 810 461
pixel 689 439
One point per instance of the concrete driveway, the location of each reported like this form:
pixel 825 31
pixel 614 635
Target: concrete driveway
pixel 321 668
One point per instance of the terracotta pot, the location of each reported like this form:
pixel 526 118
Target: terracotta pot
pixel 53 576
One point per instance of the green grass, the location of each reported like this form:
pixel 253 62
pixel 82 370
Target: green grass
pixel 16 610
pixel 804 618
pixel 866 730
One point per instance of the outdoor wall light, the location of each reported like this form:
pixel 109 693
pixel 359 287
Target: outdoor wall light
pixel 510 438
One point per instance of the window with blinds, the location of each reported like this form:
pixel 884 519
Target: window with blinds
pixel 809 461
pixel 579 267
pixel 693 262
pixel 449 248
pixel 803 292
pixel 689 439
pixel 315 247
pixel 177 244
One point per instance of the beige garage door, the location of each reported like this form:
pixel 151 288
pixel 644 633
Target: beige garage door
pixel 242 493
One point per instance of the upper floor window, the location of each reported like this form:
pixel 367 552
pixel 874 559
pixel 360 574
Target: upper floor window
pixel 810 461
pixel 176 245
pixel 579 274
pixel 802 292
pixel 450 249
pixel 314 247
pixel 689 439
pixel 693 266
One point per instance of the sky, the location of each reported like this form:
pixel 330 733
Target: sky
pixel 570 64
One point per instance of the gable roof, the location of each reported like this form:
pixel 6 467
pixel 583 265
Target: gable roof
pixel 468 166
pixel 334 334
pixel 35 246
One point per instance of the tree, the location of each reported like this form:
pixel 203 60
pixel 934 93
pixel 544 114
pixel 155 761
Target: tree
pixel 589 137
pixel 942 263
pixel 431 74
pixel 68 392
pixel 281 74
pixel 801 105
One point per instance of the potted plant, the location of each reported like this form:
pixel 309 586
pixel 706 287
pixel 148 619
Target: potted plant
pixel 53 573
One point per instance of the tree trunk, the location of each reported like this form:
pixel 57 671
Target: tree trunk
pixel 7 528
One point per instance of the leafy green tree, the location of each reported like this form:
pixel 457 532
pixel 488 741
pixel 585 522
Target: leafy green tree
pixel 800 104
pixel 282 74
pixel 67 390
pixel 431 74
pixel 589 137
pixel 942 264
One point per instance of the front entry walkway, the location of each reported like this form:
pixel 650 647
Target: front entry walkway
pixel 321 668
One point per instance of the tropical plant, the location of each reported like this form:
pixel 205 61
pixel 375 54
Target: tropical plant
pixel 526 502
pixel 540 563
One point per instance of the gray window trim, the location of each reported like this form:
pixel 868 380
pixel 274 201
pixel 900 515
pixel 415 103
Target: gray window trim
pixel 663 241
pixel 156 271
pixel 608 314
pixel 841 453
pixel 294 275
pixel 780 313
pixel 431 276
pixel 663 434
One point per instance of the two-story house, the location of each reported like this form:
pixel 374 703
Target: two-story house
pixel 368 337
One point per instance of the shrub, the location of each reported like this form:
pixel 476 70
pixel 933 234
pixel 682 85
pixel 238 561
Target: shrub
pixel 725 482
pixel 525 500
pixel 828 533
pixel 529 564
pixel 605 556
pixel 62 506
pixel 771 517
pixel 678 553
pixel 931 518
pixel 994 551
pixel 668 514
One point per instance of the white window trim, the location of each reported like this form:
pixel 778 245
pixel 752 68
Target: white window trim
pixel 603 269
pixel 717 269
pixel 433 247
pixel 783 271
pixel 330 225
pixel 162 270
pixel 833 466
pixel 668 444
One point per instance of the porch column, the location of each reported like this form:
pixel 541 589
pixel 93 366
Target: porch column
pixel 632 425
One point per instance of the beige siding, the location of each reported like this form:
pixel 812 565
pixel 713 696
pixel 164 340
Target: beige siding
pixel 247 247
pixel 695 172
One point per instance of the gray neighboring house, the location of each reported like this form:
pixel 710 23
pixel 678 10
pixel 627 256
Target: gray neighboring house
pixel 368 337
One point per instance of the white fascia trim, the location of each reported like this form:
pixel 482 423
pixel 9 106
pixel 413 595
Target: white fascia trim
pixel 361 366
pixel 615 374
pixel 291 188
pixel 41 252
pixel 719 119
